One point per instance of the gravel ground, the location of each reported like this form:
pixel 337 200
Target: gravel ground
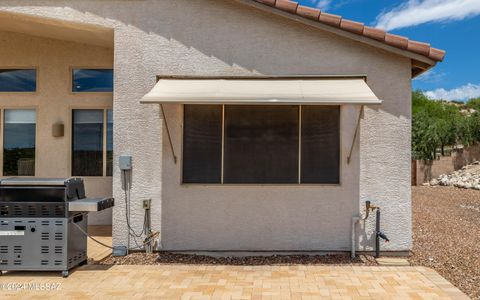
pixel 178 258
pixel 446 234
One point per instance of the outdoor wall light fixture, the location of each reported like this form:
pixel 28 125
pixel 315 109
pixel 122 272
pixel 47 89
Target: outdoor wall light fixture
pixel 58 130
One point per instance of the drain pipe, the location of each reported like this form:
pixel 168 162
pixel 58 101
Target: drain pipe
pixel 357 219
pixel 379 234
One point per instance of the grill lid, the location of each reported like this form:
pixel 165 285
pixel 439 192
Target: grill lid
pixel 18 189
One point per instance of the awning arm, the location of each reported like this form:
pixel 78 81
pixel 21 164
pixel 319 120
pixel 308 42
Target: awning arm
pixel 168 134
pixel 355 135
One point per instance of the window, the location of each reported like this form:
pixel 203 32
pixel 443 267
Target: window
pixel 320 144
pixel 18 80
pixel 19 142
pixel 262 144
pixel 92 80
pixel 92 143
pixel 109 142
pixel 202 149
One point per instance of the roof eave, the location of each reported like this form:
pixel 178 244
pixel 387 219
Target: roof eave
pixel 418 68
pixel 415 57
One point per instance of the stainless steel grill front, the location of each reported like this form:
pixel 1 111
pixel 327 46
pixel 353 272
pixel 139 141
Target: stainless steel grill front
pixel 41 223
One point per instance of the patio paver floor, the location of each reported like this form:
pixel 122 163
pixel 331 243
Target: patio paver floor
pixel 226 282
pixel 236 282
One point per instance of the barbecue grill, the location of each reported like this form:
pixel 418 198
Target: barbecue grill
pixel 42 224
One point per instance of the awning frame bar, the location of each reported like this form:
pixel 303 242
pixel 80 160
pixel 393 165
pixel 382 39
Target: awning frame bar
pixel 256 77
pixel 168 133
pixel 360 115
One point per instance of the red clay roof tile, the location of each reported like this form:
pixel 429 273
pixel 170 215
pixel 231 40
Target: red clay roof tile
pixel 356 27
pixel 436 54
pixel 374 33
pixel 267 2
pixel 419 47
pixel 396 41
pixel 329 19
pixel 352 26
pixel 286 5
pixel 308 12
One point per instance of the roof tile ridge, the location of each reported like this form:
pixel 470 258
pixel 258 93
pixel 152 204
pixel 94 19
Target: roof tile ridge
pixel 359 28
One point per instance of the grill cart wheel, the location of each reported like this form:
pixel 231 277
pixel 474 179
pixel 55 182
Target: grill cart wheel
pixel 65 274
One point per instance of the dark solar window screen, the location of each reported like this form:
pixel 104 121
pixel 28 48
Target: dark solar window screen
pixel 202 147
pixel 261 144
pixel 320 158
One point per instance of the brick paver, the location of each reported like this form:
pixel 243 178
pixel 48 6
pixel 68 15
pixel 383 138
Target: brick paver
pixel 226 282
pixel 237 282
pixel 103 234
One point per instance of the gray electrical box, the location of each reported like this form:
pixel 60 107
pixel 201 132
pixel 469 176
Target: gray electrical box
pixel 119 251
pixel 125 162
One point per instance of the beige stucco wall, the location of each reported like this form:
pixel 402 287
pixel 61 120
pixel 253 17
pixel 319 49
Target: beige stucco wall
pixel 54 101
pixel 207 37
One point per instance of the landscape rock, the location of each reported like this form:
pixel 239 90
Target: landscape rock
pixel 468 177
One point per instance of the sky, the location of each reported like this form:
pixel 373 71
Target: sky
pixel 451 25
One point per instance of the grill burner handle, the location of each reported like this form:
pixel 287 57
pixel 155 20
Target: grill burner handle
pixel 78 218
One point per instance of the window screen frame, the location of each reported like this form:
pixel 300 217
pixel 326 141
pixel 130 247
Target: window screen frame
pixel 96 67
pixel 2 136
pixel 104 141
pixel 339 153
pixel 298 183
pixel 37 80
pixel 182 143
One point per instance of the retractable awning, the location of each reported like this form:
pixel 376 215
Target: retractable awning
pixel 328 91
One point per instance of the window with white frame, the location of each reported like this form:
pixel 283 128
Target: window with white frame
pixel 261 144
pixel 19 127
pixel 92 142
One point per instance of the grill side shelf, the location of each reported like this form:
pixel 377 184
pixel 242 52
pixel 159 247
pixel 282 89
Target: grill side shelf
pixel 90 204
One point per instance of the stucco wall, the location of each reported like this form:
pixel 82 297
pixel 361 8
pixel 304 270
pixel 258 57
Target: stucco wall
pixel 54 101
pixel 206 37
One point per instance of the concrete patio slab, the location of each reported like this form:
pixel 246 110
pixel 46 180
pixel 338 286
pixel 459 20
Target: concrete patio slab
pixel 392 261
pixel 232 282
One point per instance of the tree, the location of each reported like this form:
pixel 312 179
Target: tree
pixel 474 103
pixel 424 137
pixel 437 124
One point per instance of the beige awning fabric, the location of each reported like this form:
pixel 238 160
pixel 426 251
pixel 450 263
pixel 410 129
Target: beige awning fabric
pixel 262 91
